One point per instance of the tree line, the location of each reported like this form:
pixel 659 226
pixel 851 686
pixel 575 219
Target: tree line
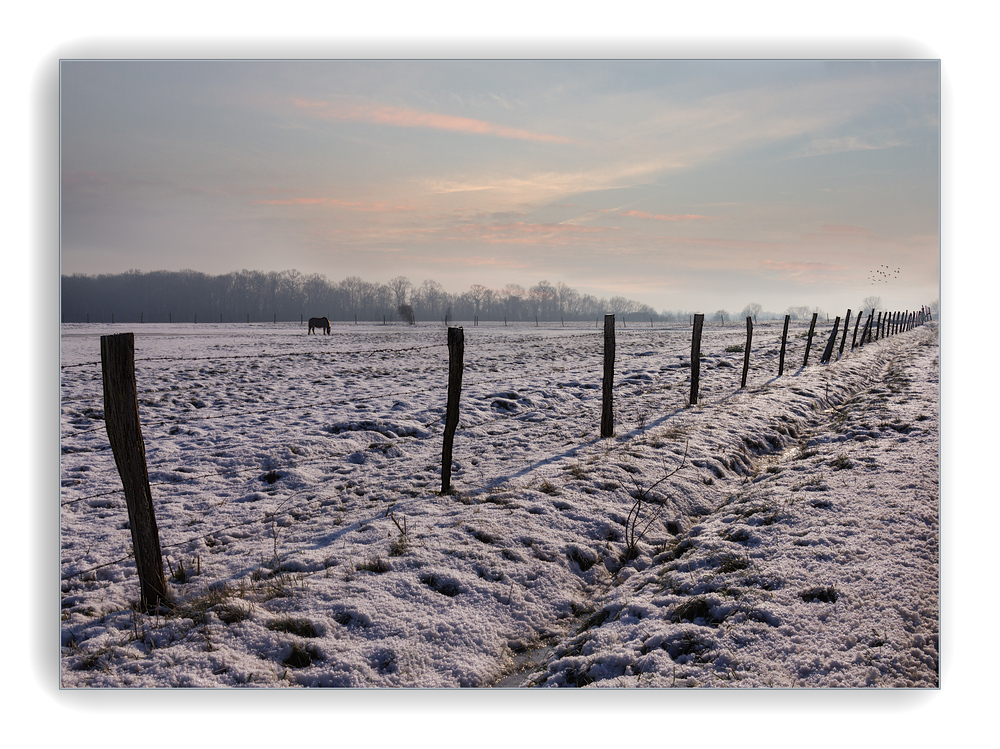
pixel 191 296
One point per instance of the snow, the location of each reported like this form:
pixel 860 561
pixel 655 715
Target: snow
pixel 792 539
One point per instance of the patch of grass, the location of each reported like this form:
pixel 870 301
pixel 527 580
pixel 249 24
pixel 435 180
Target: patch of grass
pixel 483 537
pixel 547 487
pixel 399 545
pixel 442 586
pixel 826 594
pixel 733 563
pixel 694 608
pixel 584 558
pixel 293 626
pixel 815 484
pixel 301 657
pixel 736 535
pixel 736 348
pixel 841 462
pixel 233 612
pixel 374 564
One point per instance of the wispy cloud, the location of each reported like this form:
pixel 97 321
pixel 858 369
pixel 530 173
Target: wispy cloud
pixel 404 117
pixel 379 207
pixel 542 234
pixel 663 216
pixel 804 271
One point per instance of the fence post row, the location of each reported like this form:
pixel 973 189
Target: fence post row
pixel 809 341
pixel 121 419
pixel 784 338
pixel 607 414
pixel 697 322
pixel 746 352
pixel 456 356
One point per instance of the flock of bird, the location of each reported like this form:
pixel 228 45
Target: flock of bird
pixel 883 274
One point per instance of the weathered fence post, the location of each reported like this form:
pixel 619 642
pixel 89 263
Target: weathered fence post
pixel 866 335
pixel 746 353
pixel 456 357
pixel 828 351
pixel 698 322
pixel 843 340
pixel 784 337
pixel 854 338
pixel 121 419
pixel 607 412
pixel 809 340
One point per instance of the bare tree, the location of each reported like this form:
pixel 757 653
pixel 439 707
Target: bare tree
pixel 722 315
pixel 871 304
pixel 751 310
pixel 400 286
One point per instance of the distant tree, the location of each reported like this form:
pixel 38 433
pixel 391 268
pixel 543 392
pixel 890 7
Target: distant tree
pixel 871 304
pixel 797 313
pixel 399 286
pixel 722 315
pixel 406 314
pixel 751 310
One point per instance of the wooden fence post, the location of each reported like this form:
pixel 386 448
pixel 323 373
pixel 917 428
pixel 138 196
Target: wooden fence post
pixel 812 329
pixel 866 335
pixel 607 412
pixel 746 353
pixel 456 357
pixel 828 352
pixel 843 340
pixel 697 322
pixel 854 338
pixel 121 419
pixel 784 337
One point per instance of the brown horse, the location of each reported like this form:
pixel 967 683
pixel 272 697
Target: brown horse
pixel 319 322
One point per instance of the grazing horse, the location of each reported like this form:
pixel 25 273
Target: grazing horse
pixel 319 322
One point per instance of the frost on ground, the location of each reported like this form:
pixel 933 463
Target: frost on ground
pixel 783 534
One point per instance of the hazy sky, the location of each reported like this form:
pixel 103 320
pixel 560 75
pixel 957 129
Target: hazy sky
pixel 692 185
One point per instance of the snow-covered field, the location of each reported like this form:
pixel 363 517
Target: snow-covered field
pixel 788 533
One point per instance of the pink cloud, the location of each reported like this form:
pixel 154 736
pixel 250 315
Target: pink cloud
pixel 403 117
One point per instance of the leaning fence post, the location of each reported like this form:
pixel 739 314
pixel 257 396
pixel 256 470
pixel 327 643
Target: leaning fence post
pixel 843 340
pixel 809 340
pixel 607 413
pixel 746 352
pixel 456 356
pixel 121 419
pixel 697 321
pixel 828 352
pixel 784 337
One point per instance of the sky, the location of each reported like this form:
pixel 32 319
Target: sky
pixel 686 184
